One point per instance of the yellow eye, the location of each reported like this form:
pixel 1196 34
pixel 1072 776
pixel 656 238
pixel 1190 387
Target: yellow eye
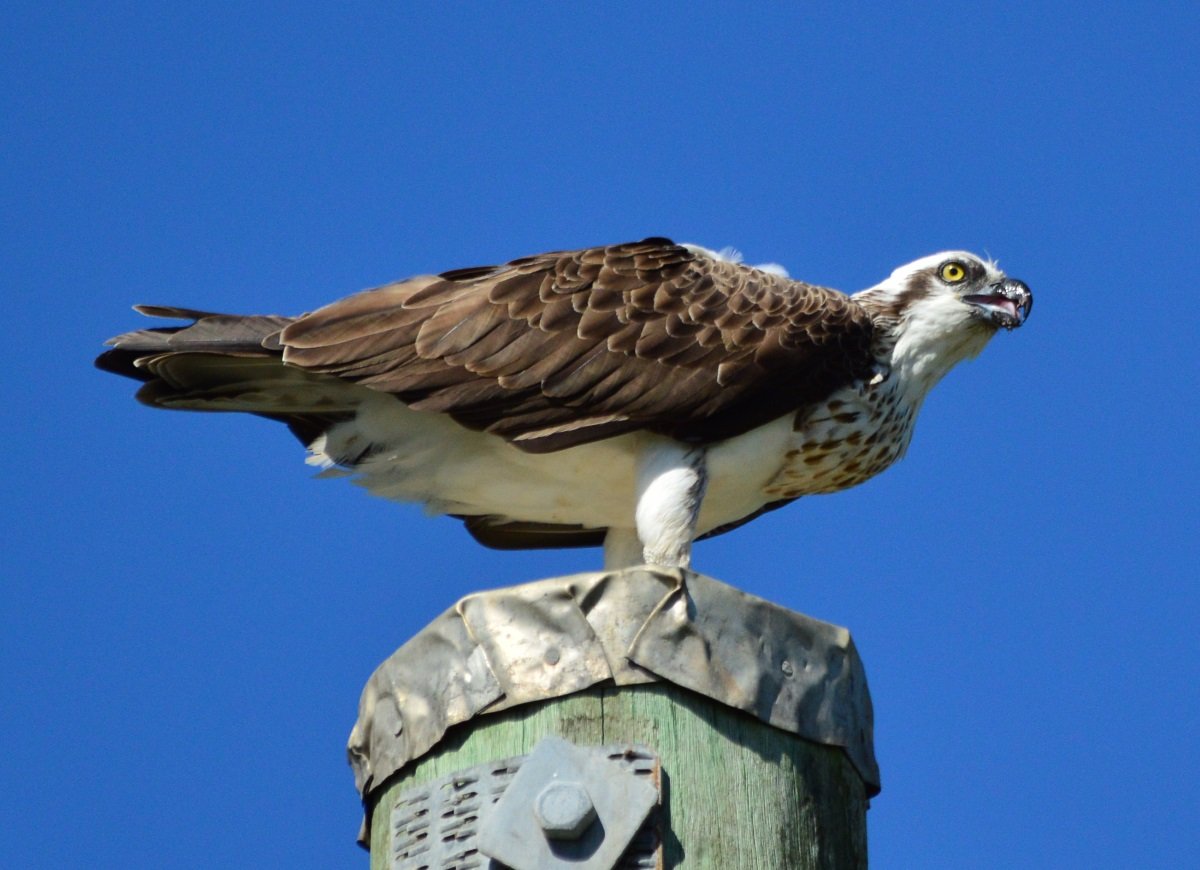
pixel 952 272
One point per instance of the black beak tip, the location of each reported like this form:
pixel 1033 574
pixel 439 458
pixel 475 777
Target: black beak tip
pixel 1021 296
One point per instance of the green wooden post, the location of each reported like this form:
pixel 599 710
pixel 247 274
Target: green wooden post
pixel 603 659
pixel 739 793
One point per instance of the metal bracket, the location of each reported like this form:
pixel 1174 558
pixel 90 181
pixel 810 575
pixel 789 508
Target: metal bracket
pixel 587 808
pixel 567 807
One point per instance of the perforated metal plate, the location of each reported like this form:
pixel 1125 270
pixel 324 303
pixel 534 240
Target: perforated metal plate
pixel 435 826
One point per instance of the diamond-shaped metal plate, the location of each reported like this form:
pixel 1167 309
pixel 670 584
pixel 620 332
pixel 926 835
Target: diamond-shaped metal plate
pixel 435 826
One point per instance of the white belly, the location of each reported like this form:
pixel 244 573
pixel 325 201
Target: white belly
pixel 428 458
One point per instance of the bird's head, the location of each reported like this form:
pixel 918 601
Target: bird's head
pixel 943 308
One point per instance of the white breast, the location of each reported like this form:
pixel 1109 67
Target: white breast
pixel 428 458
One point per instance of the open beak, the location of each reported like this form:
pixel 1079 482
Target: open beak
pixel 1007 303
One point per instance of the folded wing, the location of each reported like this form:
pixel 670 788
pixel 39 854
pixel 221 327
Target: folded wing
pixel 569 347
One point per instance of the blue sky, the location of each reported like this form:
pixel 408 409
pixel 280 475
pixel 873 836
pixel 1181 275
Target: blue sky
pixel 186 618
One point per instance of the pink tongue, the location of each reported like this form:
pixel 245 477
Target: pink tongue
pixel 1005 303
pixel 997 301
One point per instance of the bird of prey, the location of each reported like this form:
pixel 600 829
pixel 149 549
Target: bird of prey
pixel 638 395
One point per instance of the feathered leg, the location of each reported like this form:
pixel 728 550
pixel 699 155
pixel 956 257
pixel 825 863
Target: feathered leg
pixel 670 488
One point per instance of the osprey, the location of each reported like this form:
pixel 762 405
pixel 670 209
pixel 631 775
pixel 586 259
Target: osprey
pixel 639 395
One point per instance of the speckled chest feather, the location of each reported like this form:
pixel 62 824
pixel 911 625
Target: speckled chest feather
pixel 857 433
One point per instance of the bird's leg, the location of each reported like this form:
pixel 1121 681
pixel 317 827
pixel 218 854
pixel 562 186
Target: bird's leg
pixel 671 478
pixel 622 549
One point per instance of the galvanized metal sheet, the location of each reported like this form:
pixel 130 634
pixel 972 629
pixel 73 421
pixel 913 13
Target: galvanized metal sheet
pixel 537 642
pixel 785 668
pixel 498 649
pixel 439 678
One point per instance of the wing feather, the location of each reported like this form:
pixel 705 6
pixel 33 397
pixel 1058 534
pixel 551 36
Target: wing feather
pixel 569 346
pixel 548 351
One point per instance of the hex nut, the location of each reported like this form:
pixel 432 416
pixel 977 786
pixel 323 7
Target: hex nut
pixel 564 810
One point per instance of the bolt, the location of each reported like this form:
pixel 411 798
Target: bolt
pixel 564 810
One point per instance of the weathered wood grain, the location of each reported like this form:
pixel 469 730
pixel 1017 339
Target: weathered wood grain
pixel 739 793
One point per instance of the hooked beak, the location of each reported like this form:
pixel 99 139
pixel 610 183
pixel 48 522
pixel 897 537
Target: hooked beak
pixel 1007 303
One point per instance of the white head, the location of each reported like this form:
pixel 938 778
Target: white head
pixel 942 309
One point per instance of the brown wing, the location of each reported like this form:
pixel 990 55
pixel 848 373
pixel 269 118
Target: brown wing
pixel 569 347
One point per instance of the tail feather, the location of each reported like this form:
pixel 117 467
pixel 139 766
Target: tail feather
pixel 227 362
pixel 223 333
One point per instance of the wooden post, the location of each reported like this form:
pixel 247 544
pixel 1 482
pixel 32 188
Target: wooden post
pixel 737 792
